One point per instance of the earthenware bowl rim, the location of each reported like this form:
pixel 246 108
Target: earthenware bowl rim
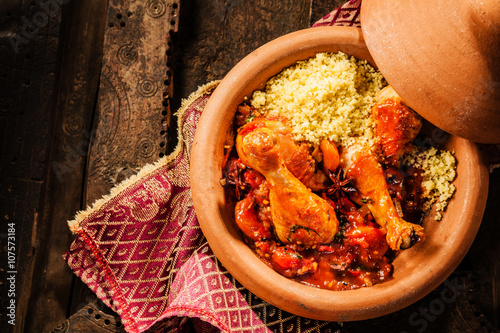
pixel 235 255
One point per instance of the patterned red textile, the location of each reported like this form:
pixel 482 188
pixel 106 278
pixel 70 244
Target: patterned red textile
pixel 346 15
pixel 142 252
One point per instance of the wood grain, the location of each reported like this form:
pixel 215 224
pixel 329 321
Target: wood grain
pixel 214 35
pixel 42 153
pixel 29 42
pixel 133 105
pixel 320 8
pixel 49 84
pixel 43 300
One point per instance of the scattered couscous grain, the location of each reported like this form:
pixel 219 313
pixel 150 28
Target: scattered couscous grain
pixel 326 97
pixel 439 171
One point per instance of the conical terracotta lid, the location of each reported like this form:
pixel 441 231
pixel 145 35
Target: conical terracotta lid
pixel 442 58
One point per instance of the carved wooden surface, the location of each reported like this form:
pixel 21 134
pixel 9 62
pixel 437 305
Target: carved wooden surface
pixel 72 127
pixel 132 109
pixel 90 319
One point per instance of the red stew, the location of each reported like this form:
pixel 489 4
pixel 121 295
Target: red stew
pixel 359 255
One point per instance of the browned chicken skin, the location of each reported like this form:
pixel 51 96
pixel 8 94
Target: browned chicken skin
pixel 299 216
pixel 396 126
pixel 362 165
pixel 297 157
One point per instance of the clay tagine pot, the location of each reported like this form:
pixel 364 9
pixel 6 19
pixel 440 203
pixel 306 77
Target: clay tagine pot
pixel 417 271
pixel 442 59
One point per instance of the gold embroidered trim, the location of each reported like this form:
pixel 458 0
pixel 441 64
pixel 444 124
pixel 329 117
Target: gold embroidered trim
pixel 74 225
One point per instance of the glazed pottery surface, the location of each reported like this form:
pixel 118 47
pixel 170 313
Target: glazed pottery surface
pixel 417 271
pixel 443 59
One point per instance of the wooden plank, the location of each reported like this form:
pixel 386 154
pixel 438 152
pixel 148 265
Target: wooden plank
pixel 320 8
pixel 483 256
pixel 44 138
pixel 90 319
pixel 133 107
pixel 28 48
pixel 214 35
pixel 79 70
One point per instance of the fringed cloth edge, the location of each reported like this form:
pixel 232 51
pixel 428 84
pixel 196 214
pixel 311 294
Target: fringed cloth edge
pixel 74 224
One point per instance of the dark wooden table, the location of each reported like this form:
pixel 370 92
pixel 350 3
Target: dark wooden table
pixel 74 76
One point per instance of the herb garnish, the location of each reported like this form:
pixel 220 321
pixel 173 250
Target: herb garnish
pixel 367 200
pixel 293 254
pixel 339 235
pixel 295 227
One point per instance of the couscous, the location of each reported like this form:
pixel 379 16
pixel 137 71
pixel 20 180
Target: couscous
pixel 326 97
pixel 318 174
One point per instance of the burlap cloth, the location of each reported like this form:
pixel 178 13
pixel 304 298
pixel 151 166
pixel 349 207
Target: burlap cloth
pixel 141 250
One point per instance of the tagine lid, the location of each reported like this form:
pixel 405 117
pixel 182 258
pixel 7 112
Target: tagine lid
pixel 443 60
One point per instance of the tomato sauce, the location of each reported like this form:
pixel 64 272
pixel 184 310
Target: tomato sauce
pixel 359 255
